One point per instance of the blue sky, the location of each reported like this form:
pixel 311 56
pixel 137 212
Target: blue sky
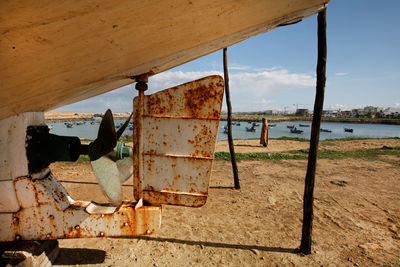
pixel 276 70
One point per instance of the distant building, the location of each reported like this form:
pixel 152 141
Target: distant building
pixel 346 114
pixel 329 113
pixel 391 113
pixel 370 109
pixel 302 112
pixel 271 112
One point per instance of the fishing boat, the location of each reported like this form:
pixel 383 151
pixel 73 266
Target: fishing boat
pixel 271 125
pixel 290 126
pixel 349 130
pixel 254 124
pixel 325 130
pixel 61 52
pixel 238 124
pixel 296 131
pixel 225 129
pixel 74 63
pixel 251 129
pixel 304 125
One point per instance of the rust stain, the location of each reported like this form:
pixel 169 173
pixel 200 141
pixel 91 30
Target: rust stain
pixel 175 199
pixel 200 103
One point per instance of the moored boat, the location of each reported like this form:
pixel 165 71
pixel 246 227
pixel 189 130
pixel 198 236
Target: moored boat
pixel 326 130
pixel 349 130
pixel 296 131
pixel 251 129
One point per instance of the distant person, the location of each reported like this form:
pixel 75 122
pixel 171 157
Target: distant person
pixel 264 133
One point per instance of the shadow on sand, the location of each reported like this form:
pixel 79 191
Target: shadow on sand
pixel 222 187
pixel 217 245
pixel 259 146
pixel 79 256
pixel 79 182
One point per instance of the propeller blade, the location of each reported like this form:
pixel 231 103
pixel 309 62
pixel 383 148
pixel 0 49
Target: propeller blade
pixel 108 175
pixel 112 170
pixel 123 127
pixel 106 138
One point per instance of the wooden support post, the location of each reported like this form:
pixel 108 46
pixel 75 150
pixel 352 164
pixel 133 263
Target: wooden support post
pixel 305 246
pixel 230 140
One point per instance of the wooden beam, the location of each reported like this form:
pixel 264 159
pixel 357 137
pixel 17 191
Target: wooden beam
pixel 305 246
pixel 230 139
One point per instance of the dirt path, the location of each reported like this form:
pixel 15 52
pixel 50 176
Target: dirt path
pixel 260 225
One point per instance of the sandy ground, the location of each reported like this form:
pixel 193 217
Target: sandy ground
pixel 260 224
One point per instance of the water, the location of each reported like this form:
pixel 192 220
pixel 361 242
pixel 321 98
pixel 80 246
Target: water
pixel 89 131
pixel 337 128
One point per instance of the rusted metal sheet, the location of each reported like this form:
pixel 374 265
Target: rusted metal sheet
pixel 179 129
pixel 47 212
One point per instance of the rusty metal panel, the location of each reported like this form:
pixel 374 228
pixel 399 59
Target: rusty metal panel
pixel 47 212
pixel 178 129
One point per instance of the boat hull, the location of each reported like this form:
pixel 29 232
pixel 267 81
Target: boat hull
pixel 55 53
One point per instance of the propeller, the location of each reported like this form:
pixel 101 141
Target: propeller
pixel 106 137
pixel 111 160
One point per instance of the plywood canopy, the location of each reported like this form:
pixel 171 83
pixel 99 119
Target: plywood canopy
pixel 54 53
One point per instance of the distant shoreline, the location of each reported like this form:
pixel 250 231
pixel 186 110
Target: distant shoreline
pixel 258 118
pixel 53 116
pixel 65 116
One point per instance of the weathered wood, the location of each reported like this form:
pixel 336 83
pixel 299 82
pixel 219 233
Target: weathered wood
pixel 229 122
pixel 54 53
pixel 306 240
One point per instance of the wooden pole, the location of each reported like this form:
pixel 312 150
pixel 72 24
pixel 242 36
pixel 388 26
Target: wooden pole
pixel 230 139
pixel 305 246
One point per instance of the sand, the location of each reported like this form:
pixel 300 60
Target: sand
pixel 260 224
pixel 79 116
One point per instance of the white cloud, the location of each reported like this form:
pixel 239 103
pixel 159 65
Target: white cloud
pixel 238 67
pixel 267 69
pixel 249 90
pixel 270 80
pixel 337 106
pixel 341 73
pixel 397 105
